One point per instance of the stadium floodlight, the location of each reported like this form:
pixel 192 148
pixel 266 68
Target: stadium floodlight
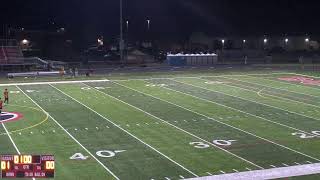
pixel 25 42
pixel 244 41
pixel 222 41
pixel 100 42
pixel 307 40
pixel 286 40
pixel 148 21
pixel 127 23
pixel 265 40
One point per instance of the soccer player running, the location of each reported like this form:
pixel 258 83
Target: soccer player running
pixel 6 96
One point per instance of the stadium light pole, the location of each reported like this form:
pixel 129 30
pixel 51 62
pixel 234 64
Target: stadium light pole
pixel 148 21
pixel 121 32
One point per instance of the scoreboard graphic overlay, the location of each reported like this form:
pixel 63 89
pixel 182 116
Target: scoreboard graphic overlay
pixel 27 166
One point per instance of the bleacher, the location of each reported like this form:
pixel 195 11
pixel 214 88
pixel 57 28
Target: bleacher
pixel 3 58
pixel 10 52
pixel 13 54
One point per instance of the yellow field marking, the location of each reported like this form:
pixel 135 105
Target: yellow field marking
pixel 29 127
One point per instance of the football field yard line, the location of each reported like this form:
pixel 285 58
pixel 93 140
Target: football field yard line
pixel 165 156
pixel 106 168
pixel 249 100
pixel 261 92
pixel 246 132
pixel 276 87
pixel 14 144
pixel 284 82
pixel 178 128
pixel 228 107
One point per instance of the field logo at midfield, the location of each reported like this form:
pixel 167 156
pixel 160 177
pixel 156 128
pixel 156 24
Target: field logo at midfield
pixel 10 116
pixel 302 80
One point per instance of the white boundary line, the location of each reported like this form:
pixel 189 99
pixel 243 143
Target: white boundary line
pixel 125 131
pixel 195 136
pixel 106 80
pixel 274 173
pixel 246 132
pixel 53 82
pixel 14 144
pixel 107 169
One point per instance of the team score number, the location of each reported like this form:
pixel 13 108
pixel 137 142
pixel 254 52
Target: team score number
pixel 49 165
pixel 302 135
pixel 202 145
pixel 5 165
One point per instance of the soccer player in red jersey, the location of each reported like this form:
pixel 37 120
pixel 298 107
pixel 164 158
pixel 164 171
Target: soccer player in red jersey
pixel 6 96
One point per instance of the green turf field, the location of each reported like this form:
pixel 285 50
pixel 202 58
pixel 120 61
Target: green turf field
pixel 183 126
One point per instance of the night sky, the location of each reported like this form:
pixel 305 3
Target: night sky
pixel 169 18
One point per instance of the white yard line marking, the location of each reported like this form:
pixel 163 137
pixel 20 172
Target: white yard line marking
pixel 107 169
pixel 260 94
pixel 274 87
pixel 246 132
pixel 239 128
pixel 293 84
pixel 274 173
pixel 253 102
pixel 176 126
pixel 126 131
pixel 13 143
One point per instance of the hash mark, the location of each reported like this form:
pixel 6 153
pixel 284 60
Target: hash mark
pixel 167 178
pixel 181 177
pixel 209 173
pixel 248 169
pixel 297 163
pixel 235 170
pixel 285 164
pixel 222 172
pixel 273 166
pixel 309 162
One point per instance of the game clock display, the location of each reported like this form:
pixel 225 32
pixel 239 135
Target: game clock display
pixel 27 166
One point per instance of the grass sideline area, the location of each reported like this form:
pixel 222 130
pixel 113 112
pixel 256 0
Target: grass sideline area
pixel 167 125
